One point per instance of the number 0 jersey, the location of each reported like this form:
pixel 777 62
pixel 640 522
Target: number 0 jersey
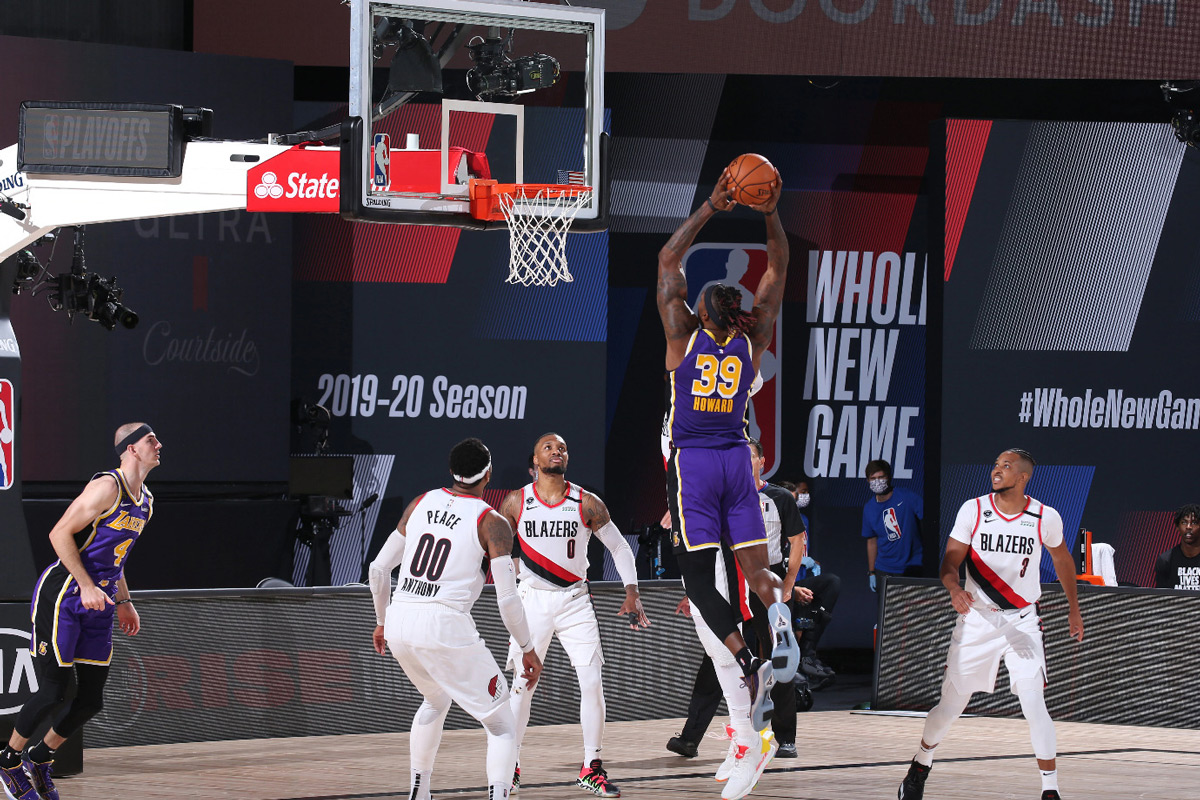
pixel 1005 556
pixel 709 392
pixel 443 559
pixel 552 540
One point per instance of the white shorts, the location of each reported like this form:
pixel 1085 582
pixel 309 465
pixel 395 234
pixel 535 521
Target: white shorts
pixel 444 656
pixel 983 636
pixel 567 613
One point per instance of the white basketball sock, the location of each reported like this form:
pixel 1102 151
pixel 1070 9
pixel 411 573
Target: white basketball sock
pixel 1049 780
pixel 924 755
pixel 737 698
pixel 418 782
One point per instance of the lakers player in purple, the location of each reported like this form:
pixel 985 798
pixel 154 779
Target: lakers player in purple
pixel 73 607
pixel 713 356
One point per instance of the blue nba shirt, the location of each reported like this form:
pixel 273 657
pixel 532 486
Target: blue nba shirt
pixel 709 392
pixel 894 525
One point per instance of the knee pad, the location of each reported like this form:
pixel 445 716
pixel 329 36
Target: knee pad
pixel 500 721
pixel 429 713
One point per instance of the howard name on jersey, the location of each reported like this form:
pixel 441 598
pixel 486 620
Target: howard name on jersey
pixel 1005 556
pixel 552 540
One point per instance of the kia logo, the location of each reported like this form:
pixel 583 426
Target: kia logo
pixel 17 678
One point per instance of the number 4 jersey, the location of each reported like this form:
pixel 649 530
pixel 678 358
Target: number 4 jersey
pixel 1005 556
pixel 443 559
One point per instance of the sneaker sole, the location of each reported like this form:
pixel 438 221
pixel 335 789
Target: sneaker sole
pixel 595 791
pixel 762 705
pixel 758 771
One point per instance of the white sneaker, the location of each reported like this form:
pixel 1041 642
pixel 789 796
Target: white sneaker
pixel 730 757
pixel 749 768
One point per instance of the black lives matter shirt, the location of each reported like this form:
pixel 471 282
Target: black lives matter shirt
pixel 1174 570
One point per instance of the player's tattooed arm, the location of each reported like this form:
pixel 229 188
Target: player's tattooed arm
pixel 678 318
pixel 510 508
pixel 595 512
pixel 496 535
pixel 768 298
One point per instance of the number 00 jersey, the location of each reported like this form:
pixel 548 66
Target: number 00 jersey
pixel 709 392
pixel 1005 557
pixel 443 559
pixel 552 540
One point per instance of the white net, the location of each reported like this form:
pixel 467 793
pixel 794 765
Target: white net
pixel 538 241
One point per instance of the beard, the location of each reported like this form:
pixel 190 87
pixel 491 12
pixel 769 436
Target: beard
pixel 557 470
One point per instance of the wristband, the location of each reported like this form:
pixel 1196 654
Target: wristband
pixel 119 602
pixel 771 212
pixel 710 204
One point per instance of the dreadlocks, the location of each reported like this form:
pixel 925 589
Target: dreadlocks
pixel 724 305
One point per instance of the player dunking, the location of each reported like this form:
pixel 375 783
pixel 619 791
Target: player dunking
pixel 440 544
pixel 554 520
pixel 1000 536
pixel 713 356
pixel 73 607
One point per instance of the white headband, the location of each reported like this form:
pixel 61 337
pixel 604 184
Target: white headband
pixel 473 478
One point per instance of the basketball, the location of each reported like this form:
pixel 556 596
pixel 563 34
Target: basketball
pixel 750 179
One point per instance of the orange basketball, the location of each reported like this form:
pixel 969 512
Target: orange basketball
pixel 750 179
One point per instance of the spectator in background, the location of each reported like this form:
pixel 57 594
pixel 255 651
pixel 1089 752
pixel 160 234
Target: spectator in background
pixel 1179 567
pixel 891 526
pixel 825 586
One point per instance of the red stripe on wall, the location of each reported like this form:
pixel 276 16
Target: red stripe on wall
pixel 966 140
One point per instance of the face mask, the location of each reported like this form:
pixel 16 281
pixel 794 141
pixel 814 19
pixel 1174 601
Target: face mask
pixel 802 500
pixel 879 485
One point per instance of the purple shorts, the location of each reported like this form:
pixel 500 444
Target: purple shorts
pixel 713 498
pixel 63 629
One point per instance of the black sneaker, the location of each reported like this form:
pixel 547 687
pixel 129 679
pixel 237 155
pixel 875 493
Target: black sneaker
pixel 677 744
pixel 1051 794
pixel 786 750
pixel 913 787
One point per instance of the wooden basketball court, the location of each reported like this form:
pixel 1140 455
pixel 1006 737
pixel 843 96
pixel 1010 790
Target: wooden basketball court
pixel 842 754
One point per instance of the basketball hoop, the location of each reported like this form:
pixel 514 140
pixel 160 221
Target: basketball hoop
pixel 539 216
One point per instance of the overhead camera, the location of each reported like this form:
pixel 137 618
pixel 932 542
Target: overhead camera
pixel 76 292
pixel 496 74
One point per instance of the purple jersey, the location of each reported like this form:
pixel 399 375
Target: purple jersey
pixel 61 623
pixel 709 392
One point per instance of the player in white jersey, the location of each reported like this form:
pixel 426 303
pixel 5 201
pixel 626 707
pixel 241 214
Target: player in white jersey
pixel 1000 537
pixel 442 545
pixel 554 520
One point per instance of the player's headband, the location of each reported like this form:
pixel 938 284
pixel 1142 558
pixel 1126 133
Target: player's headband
pixel 468 480
pixel 132 438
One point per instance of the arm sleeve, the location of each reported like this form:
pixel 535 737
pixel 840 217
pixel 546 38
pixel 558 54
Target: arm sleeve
pixel 509 602
pixel 965 522
pixel 380 573
pixel 1052 527
pixel 622 553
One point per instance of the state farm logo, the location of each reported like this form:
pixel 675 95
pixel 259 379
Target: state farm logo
pixel 17 677
pixel 269 187
pixel 300 179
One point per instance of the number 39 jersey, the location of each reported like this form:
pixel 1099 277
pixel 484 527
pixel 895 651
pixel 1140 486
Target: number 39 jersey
pixel 1005 556
pixel 443 559
pixel 709 392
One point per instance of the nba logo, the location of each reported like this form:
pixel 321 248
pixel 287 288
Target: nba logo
pixel 892 524
pixel 50 140
pixel 743 265
pixel 8 419
pixel 382 161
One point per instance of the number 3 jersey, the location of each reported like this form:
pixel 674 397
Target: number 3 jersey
pixel 1005 556
pixel 444 561
pixel 709 391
